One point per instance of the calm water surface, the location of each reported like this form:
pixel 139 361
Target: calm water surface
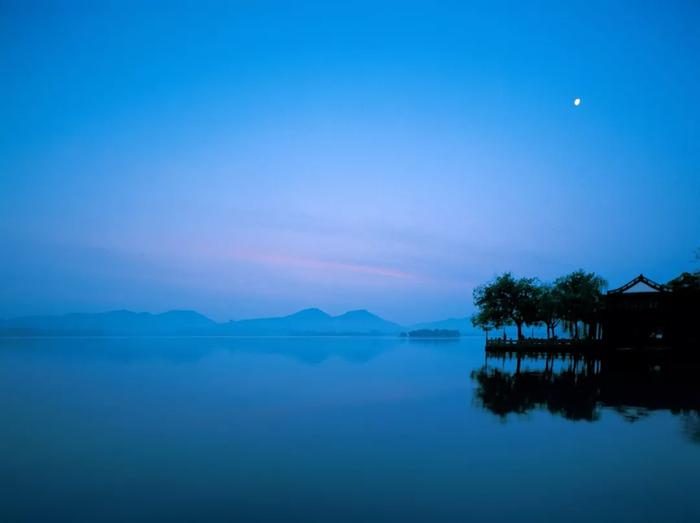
pixel 325 429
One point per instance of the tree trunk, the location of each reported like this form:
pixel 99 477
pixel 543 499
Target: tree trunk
pixel 519 324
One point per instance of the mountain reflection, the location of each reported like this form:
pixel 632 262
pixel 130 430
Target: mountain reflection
pixel 578 388
pixel 187 349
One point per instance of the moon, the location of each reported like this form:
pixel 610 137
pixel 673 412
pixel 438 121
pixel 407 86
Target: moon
pixel 577 102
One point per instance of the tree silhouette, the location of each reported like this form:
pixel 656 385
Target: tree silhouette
pixel 506 301
pixel 574 299
pixel 580 297
pixel 685 282
pixel 549 307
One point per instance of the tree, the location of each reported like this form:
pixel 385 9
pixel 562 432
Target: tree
pixel 686 282
pixel 491 312
pixel 549 307
pixel 580 296
pixel 506 301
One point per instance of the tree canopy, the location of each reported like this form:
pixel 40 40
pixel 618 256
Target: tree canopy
pixel 580 297
pixel 506 301
pixel 549 307
pixel 686 282
pixel 574 299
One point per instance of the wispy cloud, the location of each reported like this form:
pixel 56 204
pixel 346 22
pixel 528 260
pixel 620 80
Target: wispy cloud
pixel 283 260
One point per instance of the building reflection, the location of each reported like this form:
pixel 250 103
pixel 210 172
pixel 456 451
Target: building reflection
pixel 579 388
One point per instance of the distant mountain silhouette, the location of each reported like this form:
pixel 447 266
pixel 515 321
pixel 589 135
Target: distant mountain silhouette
pixel 361 320
pixel 189 323
pixel 315 322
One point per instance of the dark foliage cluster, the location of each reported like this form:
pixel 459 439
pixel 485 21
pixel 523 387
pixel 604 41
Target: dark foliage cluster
pixel 572 300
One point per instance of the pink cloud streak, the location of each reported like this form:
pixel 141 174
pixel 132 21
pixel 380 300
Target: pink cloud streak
pixel 312 263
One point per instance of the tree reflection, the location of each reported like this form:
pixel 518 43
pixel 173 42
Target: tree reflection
pixel 578 388
pixel 691 426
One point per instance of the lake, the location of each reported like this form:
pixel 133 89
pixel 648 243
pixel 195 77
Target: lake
pixel 330 429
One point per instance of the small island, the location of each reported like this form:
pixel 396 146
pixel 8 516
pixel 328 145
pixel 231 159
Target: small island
pixel 433 333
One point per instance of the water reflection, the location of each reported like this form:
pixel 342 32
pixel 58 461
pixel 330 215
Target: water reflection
pixel 235 429
pixel 579 388
pixel 308 350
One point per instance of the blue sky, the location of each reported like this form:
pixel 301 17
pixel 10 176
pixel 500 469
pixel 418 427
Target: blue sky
pixel 258 158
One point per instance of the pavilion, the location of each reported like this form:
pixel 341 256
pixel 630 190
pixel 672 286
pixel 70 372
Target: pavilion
pixel 646 314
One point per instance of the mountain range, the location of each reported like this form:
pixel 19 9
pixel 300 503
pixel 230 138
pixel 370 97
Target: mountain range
pixel 307 322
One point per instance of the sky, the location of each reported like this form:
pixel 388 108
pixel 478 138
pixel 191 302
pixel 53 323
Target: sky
pixel 255 158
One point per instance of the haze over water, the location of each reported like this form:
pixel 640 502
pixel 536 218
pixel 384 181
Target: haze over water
pixel 315 429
